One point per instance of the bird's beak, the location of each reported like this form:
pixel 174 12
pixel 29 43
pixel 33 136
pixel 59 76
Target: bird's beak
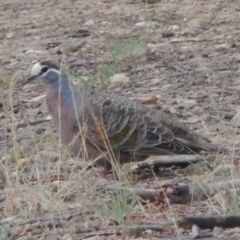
pixel 29 79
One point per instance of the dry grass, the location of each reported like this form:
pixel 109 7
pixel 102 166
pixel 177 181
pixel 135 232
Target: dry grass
pixel 35 190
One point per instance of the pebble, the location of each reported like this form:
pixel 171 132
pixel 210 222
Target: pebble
pixel 145 24
pixel 199 23
pixel 118 79
pixel 48 156
pixel 78 63
pixel 185 103
pixel 22 162
pixel 189 32
pixel 90 22
pixel 146 98
pixel 174 28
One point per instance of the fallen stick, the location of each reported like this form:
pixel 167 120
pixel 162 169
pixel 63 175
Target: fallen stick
pixel 54 217
pixel 146 173
pixel 173 160
pixel 134 230
pixel 199 191
pixel 180 194
pixel 23 125
pixel 210 221
pixel 177 40
pixel 145 194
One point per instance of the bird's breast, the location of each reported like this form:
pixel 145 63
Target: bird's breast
pixel 63 115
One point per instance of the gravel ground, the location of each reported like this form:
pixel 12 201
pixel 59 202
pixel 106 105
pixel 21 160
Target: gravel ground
pixel 179 56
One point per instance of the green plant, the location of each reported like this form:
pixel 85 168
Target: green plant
pixel 120 207
pixel 120 50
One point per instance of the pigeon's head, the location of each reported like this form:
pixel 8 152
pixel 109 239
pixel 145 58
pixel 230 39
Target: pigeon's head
pixel 48 71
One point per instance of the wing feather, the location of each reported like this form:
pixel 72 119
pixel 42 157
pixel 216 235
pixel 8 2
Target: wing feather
pixel 133 127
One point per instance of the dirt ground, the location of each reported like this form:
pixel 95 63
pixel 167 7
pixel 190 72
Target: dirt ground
pixel 180 56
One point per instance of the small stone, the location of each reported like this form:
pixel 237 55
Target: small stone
pixel 198 23
pixel 145 24
pixel 197 110
pixel 189 32
pixel 118 79
pixel 166 86
pixel 81 32
pixel 23 134
pixel 204 70
pixel 10 35
pixel 154 89
pixel 104 24
pixel 222 46
pixel 171 109
pixel 58 51
pixel 174 28
pixel 22 162
pixel 117 90
pixel 155 81
pixel 51 45
pixel 192 120
pixel 48 156
pixel 217 230
pixel 146 98
pixel 34 51
pixel 71 60
pixel 76 47
pixel 167 34
pixel 27 146
pixel 36 99
pixel 150 1
pixel 157 46
pixel 185 103
pixel 90 22
pixel 195 231
pixel 78 63
pixel 168 228
pixel 101 182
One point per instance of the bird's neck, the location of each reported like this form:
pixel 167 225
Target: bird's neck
pixel 63 89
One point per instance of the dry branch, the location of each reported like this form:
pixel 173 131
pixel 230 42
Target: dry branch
pixel 146 173
pixel 23 125
pixel 153 167
pixel 181 194
pixel 134 230
pixel 199 191
pixel 55 217
pixel 210 221
pixel 177 40
pixel 145 194
pixel 173 160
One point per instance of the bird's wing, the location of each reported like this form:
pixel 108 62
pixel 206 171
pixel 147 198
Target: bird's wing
pixel 128 126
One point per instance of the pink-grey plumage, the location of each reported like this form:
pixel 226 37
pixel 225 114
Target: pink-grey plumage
pixel 95 124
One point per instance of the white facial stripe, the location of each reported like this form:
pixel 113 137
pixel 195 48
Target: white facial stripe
pixel 36 69
pixel 52 70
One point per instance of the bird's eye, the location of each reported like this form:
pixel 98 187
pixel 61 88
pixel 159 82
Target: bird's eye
pixel 44 69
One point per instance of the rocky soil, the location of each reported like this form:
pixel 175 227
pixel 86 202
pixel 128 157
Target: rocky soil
pixel 179 56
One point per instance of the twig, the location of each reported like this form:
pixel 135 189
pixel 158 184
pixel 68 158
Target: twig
pixel 180 194
pixel 224 122
pixel 54 217
pixel 145 194
pixel 177 40
pixel 210 221
pixel 199 191
pixel 23 125
pixel 173 160
pixel 110 230
pixel 145 172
